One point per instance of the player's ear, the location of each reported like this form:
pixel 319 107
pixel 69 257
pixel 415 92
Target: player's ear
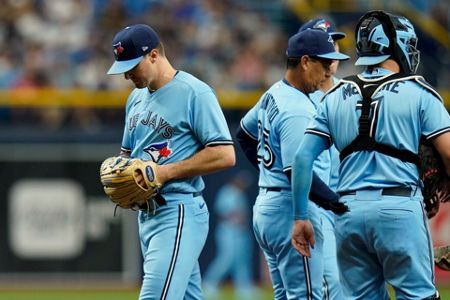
pixel 153 55
pixel 304 62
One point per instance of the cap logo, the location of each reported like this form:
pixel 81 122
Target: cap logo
pixel 323 25
pixel 144 48
pixel 118 49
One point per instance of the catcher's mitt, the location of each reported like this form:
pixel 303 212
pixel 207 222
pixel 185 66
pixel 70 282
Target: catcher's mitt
pixel 129 182
pixel 442 257
pixel 436 183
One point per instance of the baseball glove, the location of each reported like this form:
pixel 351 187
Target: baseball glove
pixel 442 257
pixel 129 182
pixel 436 183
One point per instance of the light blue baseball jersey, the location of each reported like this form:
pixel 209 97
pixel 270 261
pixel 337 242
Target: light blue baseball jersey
pixel 173 123
pixel 168 125
pixel 278 122
pixel 370 169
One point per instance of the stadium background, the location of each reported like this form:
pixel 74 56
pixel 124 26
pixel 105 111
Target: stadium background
pixel 61 115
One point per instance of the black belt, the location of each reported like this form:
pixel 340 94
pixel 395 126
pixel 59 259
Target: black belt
pixel 159 199
pixel 274 189
pixel 393 191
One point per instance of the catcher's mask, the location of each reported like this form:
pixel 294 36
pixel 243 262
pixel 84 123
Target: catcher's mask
pixel 381 35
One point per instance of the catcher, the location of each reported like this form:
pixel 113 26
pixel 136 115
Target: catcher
pixel 175 131
pixel 378 133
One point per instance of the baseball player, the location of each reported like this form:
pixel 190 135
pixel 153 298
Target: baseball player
pixel 174 120
pixel 381 114
pixel 275 126
pixel 327 168
pixel 233 240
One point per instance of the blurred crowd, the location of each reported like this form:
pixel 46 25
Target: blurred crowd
pixel 66 44
pixel 229 44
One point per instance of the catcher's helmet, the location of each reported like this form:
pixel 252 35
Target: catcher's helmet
pixel 381 35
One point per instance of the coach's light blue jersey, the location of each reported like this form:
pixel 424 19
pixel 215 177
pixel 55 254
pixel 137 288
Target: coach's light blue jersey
pixel 278 121
pixel 327 164
pixel 172 124
pixel 397 121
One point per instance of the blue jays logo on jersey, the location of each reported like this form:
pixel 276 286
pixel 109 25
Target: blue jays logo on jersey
pixel 158 151
pixel 118 49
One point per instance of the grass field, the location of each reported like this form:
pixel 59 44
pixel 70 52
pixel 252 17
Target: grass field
pixel 226 294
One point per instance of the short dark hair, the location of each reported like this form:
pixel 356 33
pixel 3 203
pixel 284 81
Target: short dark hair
pixel 292 62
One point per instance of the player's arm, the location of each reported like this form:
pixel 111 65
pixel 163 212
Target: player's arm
pixel 302 231
pixel 247 134
pixel 302 174
pixel 436 125
pixel 208 160
pixel 291 138
pixel 210 128
pixel 320 193
pixel 442 145
pixel 248 145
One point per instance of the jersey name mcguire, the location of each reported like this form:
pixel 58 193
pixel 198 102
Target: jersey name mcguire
pixel 349 90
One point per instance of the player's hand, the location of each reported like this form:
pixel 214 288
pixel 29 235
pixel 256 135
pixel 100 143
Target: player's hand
pixel 303 237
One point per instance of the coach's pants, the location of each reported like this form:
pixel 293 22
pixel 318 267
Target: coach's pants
pixel 293 276
pixel 384 239
pixel 171 242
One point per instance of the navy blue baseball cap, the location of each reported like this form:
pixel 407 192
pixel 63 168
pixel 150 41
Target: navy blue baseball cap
pixel 130 45
pixel 316 43
pixel 324 25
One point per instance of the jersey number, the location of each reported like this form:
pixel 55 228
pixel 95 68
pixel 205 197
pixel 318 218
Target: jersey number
pixel 265 153
pixel 375 111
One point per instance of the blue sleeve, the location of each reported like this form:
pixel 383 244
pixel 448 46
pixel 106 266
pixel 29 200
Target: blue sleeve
pixel 310 148
pixel 248 145
pixel 249 122
pixel 334 170
pixel 435 118
pixel 208 121
pixel 320 193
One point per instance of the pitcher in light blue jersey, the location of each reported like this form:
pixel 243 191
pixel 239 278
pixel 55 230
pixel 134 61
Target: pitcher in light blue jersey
pixel 175 120
pixel 384 237
pixel 269 134
pixel 327 168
